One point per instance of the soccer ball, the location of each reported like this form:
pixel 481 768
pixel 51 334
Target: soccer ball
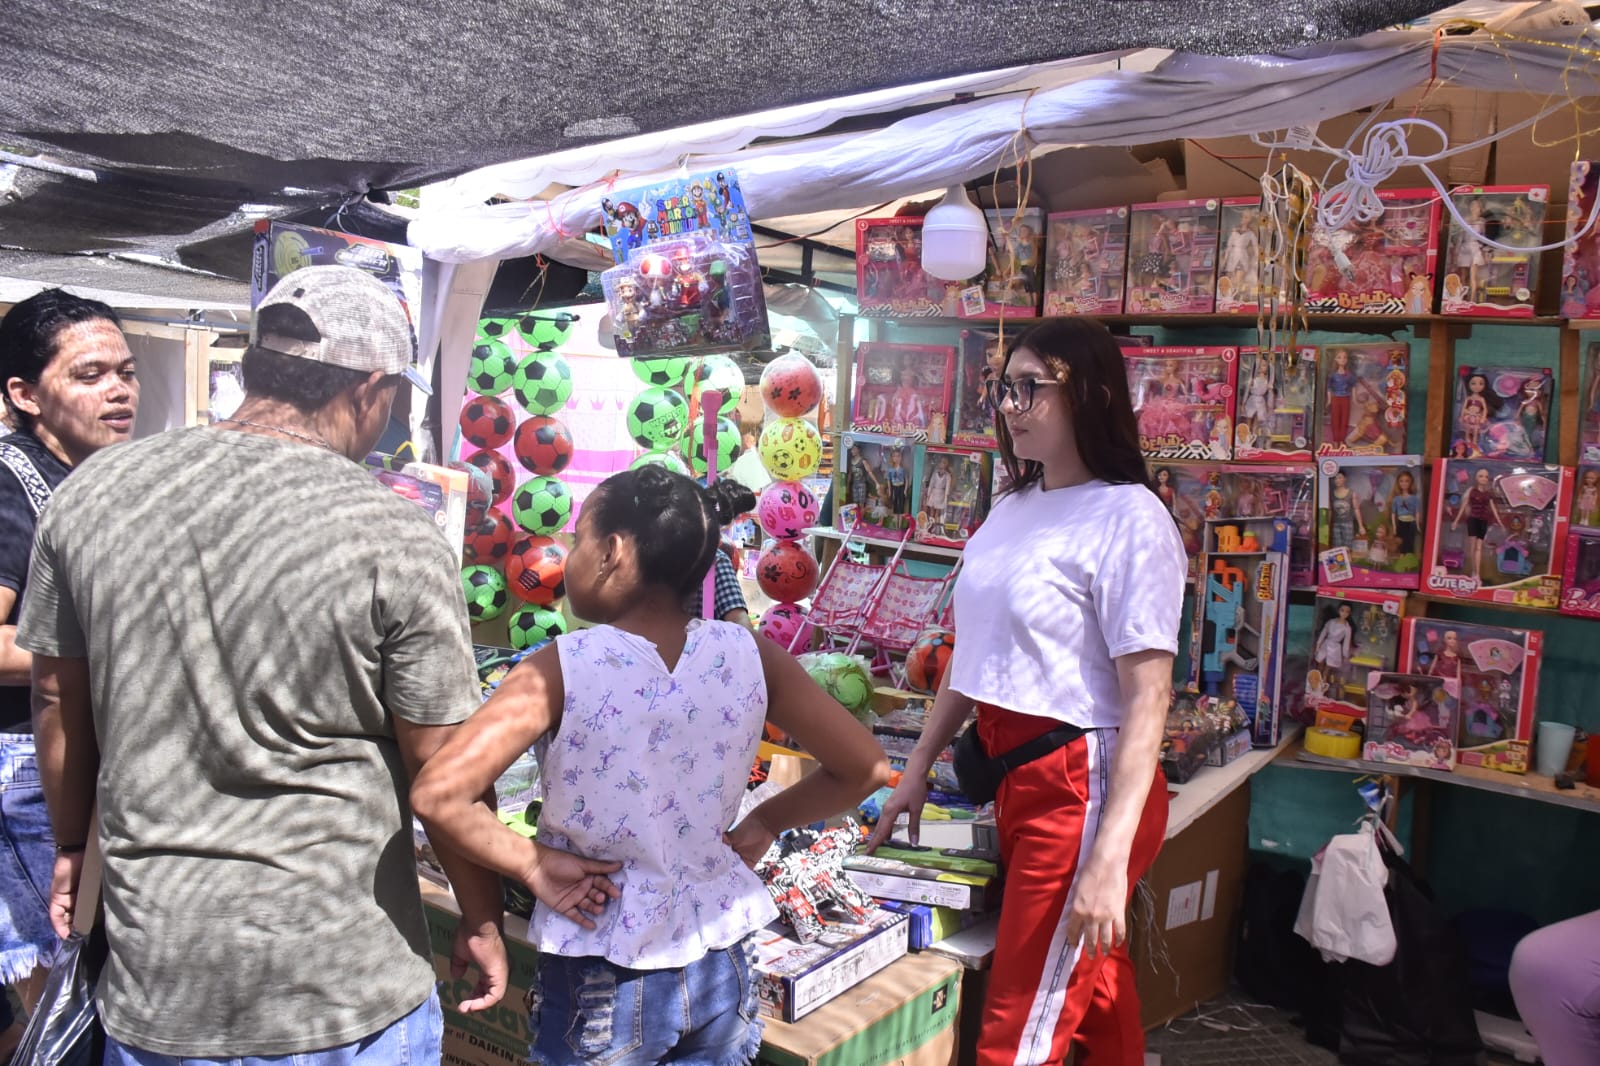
pixel 928 657
pixel 486 592
pixel 490 329
pixel 546 332
pixel 781 622
pixel 786 509
pixel 536 570
pixel 543 383
pixel 488 541
pixel 844 677
pixel 543 445
pixel 492 368
pixel 723 374
pixel 670 460
pixel 791 448
pixel 791 386
pixel 657 417
pixel 486 422
pixel 542 505
pixel 662 372
pixel 728 446
pixel 494 464
pixel 532 625
pixel 785 571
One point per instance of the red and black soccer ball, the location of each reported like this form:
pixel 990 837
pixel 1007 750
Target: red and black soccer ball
pixel 536 570
pixel 494 464
pixel 488 541
pixel 487 421
pixel 543 445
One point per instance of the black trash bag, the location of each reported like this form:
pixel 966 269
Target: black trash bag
pixel 1274 964
pixel 1416 1011
pixel 65 1028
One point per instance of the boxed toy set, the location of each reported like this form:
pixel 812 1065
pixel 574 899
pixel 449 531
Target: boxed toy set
pixel 691 294
pixel 1498 531
pixel 1589 421
pixel 1241 609
pixel 1495 670
pixel 1411 720
pixel 979 359
pixel 1370 511
pixel 1242 283
pixel 1172 257
pixel 951 497
pixel 1502 412
pixel 939 880
pixel 903 389
pixel 281 248
pixel 1580 261
pixel 1481 279
pixel 1362 390
pixel 1184 400
pixel 1580 586
pixel 1196 492
pixel 880 472
pixel 890 282
pixel 1353 633
pixel 1013 280
pixel 793 979
pixel 1202 731
pixel 1275 406
pixel 1086 256
pixel 1385 266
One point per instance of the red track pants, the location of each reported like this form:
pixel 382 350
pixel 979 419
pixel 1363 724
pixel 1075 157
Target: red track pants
pixel 1043 992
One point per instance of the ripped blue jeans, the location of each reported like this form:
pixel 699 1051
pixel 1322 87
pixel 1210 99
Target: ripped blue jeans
pixel 27 860
pixel 586 1011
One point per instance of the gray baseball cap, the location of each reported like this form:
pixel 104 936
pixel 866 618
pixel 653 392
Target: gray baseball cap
pixel 363 325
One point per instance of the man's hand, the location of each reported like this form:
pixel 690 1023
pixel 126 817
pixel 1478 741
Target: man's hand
pixel 64 891
pixel 1097 910
pixel 569 884
pixel 750 839
pixel 484 949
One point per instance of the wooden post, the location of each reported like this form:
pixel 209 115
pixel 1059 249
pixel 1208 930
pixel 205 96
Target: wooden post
pixel 1571 407
pixel 1441 388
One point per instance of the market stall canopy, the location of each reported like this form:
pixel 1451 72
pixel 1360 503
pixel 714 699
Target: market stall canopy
pixel 167 129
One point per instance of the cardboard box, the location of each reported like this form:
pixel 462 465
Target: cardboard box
pixel 1183 943
pixel 1523 543
pixel 894 878
pixel 905 1016
pixel 929 925
pixel 794 979
pixel 496 1037
pixel 284 247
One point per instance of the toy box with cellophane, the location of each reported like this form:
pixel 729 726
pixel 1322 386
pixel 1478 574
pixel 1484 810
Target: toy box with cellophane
pixel 1361 394
pixel 1245 276
pixel 1086 260
pixel 1276 405
pixel 1482 280
pixel 1369 521
pixel 1353 632
pixel 890 281
pixel 1497 531
pixel 1183 400
pixel 1382 266
pixel 689 295
pixel 952 495
pixel 1172 257
pixel 979 360
pixel 1496 670
pixel 903 389
pixel 1580 585
pixel 1013 279
pixel 1411 720
pixel 880 472
pixel 1502 412
pixel 1195 492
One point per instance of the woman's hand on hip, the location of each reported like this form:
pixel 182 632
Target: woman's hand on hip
pixel 1097 910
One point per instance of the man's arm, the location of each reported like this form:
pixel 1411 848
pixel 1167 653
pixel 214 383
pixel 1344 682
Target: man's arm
pixel 16 665
pixel 69 762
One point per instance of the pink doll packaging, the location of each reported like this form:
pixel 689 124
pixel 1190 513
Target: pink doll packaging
pixel 1276 405
pixel 1183 399
pixel 904 390
pixel 1241 275
pixel 1172 258
pixel 1361 395
pixel 1502 412
pixel 1580 585
pixel 1385 266
pixel 1496 672
pixel 1497 531
pixel 1482 280
pixel 1086 259
pixel 1580 262
pixel 1412 720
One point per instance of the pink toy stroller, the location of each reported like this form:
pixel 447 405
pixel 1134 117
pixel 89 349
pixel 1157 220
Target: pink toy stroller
pixel 905 606
pixel 845 596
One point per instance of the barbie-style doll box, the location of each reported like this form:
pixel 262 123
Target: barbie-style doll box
pixel 1276 405
pixel 1497 531
pixel 1482 280
pixel 1353 632
pixel 1361 397
pixel 1580 586
pixel 1183 399
pixel 1411 720
pixel 1086 257
pixel 1496 672
pixel 1172 258
pixel 1370 511
pixel 1380 267
pixel 904 389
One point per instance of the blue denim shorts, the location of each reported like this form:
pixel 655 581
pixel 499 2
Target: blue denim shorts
pixel 414 1040
pixel 27 859
pixel 589 1012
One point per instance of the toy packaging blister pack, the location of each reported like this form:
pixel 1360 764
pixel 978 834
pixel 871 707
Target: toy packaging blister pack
pixel 1277 398
pixel 1580 585
pixel 1172 258
pixel 1241 606
pixel 1183 399
pixel 687 295
pixel 1502 412
pixel 890 282
pixel 1580 262
pixel 1411 719
pixel 1353 632
pixel 1196 492
pixel 1086 258
pixel 1382 267
pixel 1013 280
pixel 1362 391
pixel 1482 280
pixel 880 474
pixel 1498 531
pixel 1370 511
pixel 1241 283
pixel 1496 673
pixel 952 495
pixel 1589 421
pixel 979 358
pixel 903 390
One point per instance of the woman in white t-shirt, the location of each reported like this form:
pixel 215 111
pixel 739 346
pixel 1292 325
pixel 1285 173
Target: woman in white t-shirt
pixel 1067 610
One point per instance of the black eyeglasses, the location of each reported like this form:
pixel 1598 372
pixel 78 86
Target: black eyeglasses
pixel 1021 392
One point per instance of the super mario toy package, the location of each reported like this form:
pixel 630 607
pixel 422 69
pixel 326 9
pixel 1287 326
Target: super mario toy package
pixel 1380 267
pixel 1276 405
pixel 1362 392
pixel 890 282
pixel 1411 719
pixel 1172 258
pixel 1498 531
pixel 1483 280
pixel 1086 259
pixel 1184 400
pixel 1353 632
pixel 1495 671
pixel 904 390
pixel 1502 412
pixel 1369 521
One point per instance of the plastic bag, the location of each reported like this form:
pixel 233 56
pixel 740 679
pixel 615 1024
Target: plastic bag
pixel 1345 914
pixel 65 1028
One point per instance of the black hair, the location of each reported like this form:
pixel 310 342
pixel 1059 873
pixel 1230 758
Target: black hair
pixel 731 499
pixel 1084 356
pixel 30 335
pixel 305 384
pixel 671 519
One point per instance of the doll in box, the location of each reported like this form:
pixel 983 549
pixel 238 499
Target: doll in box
pixel 903 389
pixel 981 359
pixel 1381 266
pixel 1411 719
pixel 1586 500
pixel 1502 412
pixel 1478 507
pixel 1332 652
pixel 1496 673
pixel 1363 400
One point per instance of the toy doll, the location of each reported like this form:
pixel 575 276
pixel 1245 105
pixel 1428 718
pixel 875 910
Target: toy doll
pixel 1447 662
pixel 1586 507
pixel 936 491
pixel 1221 438
pixel 1531 414
pixel 896 478
pixel 1159 259
pixel 1165 412
pixel 1240 257
pixel 1246 501
pixel 905 407
pixel 1405 506
pixel 1369 427
pixel 1164 489
pixel 1378 547
pixel 1341 383
pixel 1472 255
pixel 1344 515
pixel 1573 303
pixel 1333 647
pixel 1211 502
pixel 861 478
pixel 1260 396
pixel 1474 412
pixel 1477 504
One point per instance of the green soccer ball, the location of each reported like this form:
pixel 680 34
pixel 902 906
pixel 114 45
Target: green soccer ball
pixel 543 383
pixel 492 369
pixel 541 505
pixel 494 329
pixel 723 374
pixel 844 677
pixel 657 417
pixel 486 592
pixel 728 446
pixel 532 625
pixel 660 371
pixel 670 460
pixel 546 330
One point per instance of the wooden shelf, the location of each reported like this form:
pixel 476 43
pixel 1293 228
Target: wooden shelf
pixel 1210 785
pixel 1483 605
pixel 912 547
pixel 1326 322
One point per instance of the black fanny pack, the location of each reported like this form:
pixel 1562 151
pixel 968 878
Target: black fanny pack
pixel 980 773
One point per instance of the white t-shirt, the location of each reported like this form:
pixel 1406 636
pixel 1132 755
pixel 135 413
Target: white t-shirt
pixel 1057 585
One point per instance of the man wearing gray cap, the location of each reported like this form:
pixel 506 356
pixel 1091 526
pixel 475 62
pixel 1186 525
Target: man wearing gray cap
pixel 252 646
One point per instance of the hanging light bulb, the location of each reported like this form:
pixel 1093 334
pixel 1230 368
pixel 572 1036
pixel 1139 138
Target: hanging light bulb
pixel 955 238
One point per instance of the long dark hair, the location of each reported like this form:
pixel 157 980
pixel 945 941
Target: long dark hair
pixel 1084 356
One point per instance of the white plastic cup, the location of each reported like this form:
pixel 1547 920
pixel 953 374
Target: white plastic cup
pixel 1554 747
